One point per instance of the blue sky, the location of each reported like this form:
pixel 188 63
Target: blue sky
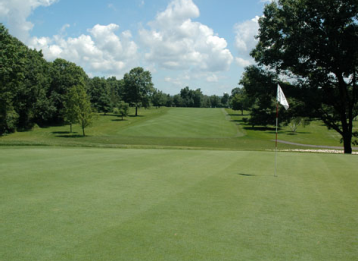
pixel 196 43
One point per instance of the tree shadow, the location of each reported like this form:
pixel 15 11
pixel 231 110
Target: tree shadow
pixel 261 128
pixel 298 132
pixel 108 114
pixel 50 125
pixel 71 136
pixel 238 114
pixel 119 120
pixel 62 132
pixel 247 175
pixel 138 116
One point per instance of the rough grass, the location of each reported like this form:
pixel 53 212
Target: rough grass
pixel 110 204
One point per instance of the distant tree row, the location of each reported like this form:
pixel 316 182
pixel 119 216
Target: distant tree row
pixel 190 98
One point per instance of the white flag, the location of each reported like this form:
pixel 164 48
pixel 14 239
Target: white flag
pixel 281 97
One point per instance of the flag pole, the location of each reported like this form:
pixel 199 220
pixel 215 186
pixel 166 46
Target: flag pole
pixel 282 100
pixel 275 175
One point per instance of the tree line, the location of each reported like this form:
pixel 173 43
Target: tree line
pixel 190 98
pixel 34 91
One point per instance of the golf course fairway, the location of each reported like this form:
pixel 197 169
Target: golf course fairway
pixel 62 203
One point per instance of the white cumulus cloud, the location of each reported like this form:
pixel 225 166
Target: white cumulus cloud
pixel 245 41
pixel 16 12
pixel 212 78
pixel 101 52
pixel 176 42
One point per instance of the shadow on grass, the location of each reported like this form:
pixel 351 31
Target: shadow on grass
pixel 238 114
pixel 119 120
pixel 70 136
pixel 62 132
pixel 261 129
pixel 297 132
pixel 247 175
pixel 108 114
pixel 133 116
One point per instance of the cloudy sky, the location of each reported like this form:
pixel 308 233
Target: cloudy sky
pixel 197 43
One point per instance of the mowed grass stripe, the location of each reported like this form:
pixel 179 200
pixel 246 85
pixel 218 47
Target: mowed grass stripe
pixel 185 122
pixel 176 205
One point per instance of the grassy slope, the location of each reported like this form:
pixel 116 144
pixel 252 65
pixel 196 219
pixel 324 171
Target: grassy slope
pixel 175 128
pixel 185 123
pixel 107 204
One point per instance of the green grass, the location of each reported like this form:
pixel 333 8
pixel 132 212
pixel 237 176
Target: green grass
pixel 316 133
pixel 184 128
pixel 134 204
pixel 185 123
pixel 192 184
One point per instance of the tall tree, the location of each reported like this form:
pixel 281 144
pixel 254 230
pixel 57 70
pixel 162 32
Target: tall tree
pixel 137 87
pixel 70 110
pixel 215 101
pixel 259 87
pixel 198 98
pixel 78 107
pixel 225 100
pixel 187 97
pixel 240 101
pixel 32 103
pixel 12 60
pixel 64 75
pixel 122 109
pixel 100 95
pixel 159 98
pixel 116 89
pixel 316 41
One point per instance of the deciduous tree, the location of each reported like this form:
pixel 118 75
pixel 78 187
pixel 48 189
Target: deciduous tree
pixel 316 42
pixel 137 87
pixel 78 107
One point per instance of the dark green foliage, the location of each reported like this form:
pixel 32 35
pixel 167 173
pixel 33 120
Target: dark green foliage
pixel 33 105
pixel 64 75
pixel 177 101
pixel 170 101
pixel 116 89
pixel 215 101
pixel 258 95
pixel 100 93
pixel 159 98
pixel 32 91
pixel 240 101
pixel 225 100
pixel 12 60
pixel 191 98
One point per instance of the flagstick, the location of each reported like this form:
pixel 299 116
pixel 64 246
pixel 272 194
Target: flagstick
pixel 282 100
pixel 276 140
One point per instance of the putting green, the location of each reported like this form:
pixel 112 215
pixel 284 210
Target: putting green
pixel 113 204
